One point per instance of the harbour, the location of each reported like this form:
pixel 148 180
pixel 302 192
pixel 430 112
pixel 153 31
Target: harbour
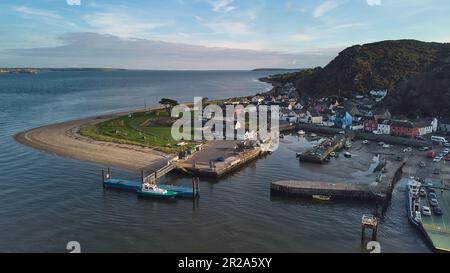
pixel 236 212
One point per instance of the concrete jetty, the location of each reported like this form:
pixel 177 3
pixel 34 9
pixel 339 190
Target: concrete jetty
pixel 379 190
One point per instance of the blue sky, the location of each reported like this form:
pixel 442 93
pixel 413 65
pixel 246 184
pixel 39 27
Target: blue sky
pixel 289 32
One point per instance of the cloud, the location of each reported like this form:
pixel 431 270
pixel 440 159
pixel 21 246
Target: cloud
pixel 97 50
pixel 228 27
pixel 73 2
pixel 121 25
pixel 37 12
pixel 324 8
pixel 222 5
pixel 374 2
pixel 301 37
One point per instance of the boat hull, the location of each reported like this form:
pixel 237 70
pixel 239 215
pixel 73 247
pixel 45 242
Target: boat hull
pixel 154 195
pixel 121 184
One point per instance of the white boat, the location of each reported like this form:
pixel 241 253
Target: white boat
pixel 347 154
pixel 322 197
pixel 348 144
pixel 313 135
pixel 301 132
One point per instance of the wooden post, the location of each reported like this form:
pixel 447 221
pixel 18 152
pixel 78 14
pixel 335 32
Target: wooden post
pixel 142 177
pixel 103 178
pixel 198 187
pixel 193 187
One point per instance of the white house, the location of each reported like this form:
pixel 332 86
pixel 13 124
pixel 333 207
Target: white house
pixel 257 99
pixel 288 115
pixel 384 127
pixel 298 106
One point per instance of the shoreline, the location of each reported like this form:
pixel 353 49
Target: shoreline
pixel 63 139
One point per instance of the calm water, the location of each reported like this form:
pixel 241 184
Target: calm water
pixel 47 201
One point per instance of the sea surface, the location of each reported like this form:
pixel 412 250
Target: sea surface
pixel 47 201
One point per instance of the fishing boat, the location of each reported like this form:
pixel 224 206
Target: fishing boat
pixel 301 133
pixel 153 191
pixel 322 197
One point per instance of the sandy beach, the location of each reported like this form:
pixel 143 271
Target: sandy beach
pixel 63 139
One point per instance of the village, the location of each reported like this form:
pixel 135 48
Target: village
pixel 363 113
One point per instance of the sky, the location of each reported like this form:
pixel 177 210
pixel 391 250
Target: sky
pixel 206 34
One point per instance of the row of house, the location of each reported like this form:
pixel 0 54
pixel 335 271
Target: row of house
pixel 402 128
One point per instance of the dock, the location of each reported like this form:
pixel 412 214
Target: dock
pixel 320 153
pixel 205 163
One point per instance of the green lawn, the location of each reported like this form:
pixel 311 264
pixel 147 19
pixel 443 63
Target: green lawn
pixel 151 129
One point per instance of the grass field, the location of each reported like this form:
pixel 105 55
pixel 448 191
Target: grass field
pixel 150 129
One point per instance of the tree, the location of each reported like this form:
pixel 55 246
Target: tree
pixel 168 104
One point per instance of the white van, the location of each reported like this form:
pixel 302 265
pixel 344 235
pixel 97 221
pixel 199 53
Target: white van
pixel 439 139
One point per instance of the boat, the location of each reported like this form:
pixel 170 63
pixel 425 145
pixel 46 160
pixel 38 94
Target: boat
pixel 348 144
pixel 322 197
pixel 313 135
pixel 301 132
pixel 347 154
pixel 153 191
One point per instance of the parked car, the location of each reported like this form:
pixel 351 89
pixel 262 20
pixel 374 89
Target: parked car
pixel 420 138
pixel 432 195
pixel 437 159
pixel 426 211
pixel 407 150
pixel 423 192
pixel 446 150
pixel 437 211
pixel 434 202
pixel 447 158
pixel 423 149
pixel 446 144
pixel 366 142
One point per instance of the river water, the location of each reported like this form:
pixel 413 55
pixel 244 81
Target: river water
pixel 47 201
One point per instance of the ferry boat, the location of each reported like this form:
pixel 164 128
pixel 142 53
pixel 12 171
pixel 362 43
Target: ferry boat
pixel 153 191
pixel 413 191
pixel 131 185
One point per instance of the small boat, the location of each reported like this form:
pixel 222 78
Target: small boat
pixel 301 132
pixel 348 144
pixel 313 135
pixel 152 191
pixel 322 197
pixel 332 154
pixel 298 154
pixel 347 154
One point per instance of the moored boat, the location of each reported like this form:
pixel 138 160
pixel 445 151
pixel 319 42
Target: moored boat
pixel 153 191
pixel 180 190
pixel 322 197
pixel 301 132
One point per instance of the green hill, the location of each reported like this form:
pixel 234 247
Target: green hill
pixel 411 70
